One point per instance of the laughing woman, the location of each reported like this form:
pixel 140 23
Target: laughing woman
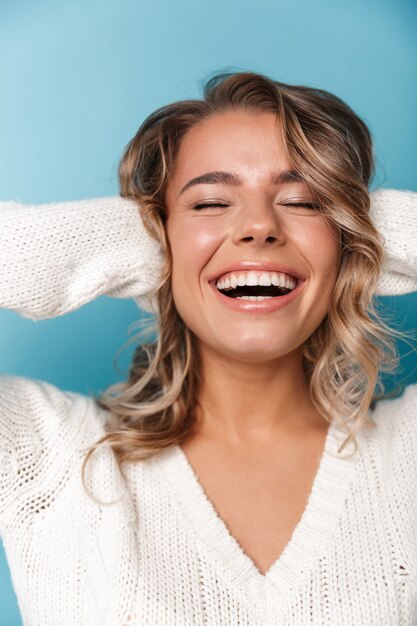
pixel 251 470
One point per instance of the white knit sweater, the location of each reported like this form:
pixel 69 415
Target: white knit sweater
pixel 161 554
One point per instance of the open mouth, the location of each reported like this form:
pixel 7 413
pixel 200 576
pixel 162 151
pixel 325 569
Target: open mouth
pixel 270 291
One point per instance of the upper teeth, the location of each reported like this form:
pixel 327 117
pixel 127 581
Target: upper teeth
pixel 252 278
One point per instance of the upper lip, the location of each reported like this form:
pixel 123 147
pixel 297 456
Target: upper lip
pixel 245 266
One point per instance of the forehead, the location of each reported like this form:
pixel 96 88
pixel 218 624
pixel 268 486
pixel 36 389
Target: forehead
pixel 248 143
pixel 237 128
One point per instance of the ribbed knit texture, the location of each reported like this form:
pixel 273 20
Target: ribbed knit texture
pixel 160 555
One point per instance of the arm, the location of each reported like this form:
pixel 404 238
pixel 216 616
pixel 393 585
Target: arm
pixel 53 259
pixel 394 214
pixel 56 257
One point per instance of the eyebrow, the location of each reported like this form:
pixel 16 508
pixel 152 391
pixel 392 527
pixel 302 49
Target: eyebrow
pixel 228 178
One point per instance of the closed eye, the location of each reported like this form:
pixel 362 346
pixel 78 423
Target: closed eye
pixel 207 204
pixel 308 205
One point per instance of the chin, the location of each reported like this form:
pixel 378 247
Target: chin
pixel 254 353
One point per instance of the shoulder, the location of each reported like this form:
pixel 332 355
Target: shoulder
pixel 404 404
pixel 38 404
pixel 41 428
pixel 396 421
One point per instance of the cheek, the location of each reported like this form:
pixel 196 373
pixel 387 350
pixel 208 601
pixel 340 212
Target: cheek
pixel 192 244
pixel 319 244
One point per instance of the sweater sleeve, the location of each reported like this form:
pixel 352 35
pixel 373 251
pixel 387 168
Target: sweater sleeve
pixel 56 257
pixel 394 214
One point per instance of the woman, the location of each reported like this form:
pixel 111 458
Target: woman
pixel 247 472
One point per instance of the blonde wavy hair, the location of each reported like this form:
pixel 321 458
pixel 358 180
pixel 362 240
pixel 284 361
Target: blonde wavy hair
pixel 331 147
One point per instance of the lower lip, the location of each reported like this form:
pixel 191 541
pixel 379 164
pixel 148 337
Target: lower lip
pixel 258 306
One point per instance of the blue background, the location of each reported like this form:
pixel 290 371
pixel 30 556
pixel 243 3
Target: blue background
pixel 79 77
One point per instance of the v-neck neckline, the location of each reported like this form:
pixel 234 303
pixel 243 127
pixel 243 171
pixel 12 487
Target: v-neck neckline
pixel 306 544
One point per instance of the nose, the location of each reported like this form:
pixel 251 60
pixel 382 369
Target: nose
pixel 258 223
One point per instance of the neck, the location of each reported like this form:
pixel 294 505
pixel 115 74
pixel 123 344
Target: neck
pixel 241 402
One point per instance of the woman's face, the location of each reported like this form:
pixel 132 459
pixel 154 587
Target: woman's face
pixel 250 223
